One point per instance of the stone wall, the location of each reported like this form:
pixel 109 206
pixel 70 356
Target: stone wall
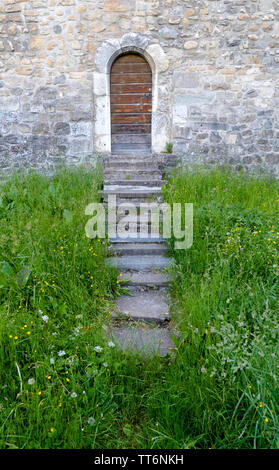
pixel 215 77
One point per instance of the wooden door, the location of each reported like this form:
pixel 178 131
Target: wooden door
pixel 131 105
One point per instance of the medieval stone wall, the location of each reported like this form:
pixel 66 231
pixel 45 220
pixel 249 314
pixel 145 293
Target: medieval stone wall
pixel 215 66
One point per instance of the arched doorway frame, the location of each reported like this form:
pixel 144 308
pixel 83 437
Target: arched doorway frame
pixel 106 54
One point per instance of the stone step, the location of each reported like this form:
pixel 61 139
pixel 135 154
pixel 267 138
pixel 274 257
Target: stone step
pixel 143 340
pixel 142 220
pixel 135 193
pixel 128 169
pixel 143 212
pixel 143 278
pixel 126 150
pixel 122 207
pixel 131 156
pixel 121 176
pixel 138 263
pixel 131 164
pixel 150 306
pixel 154 183
pixel 145 230
pixel 135 237
pixel 112 177
pixel 138 249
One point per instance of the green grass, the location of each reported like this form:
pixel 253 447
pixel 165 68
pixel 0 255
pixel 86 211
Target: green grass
pixel 58 391
pixel 226 288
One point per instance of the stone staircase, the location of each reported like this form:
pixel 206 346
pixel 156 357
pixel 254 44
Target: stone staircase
pixel 140 320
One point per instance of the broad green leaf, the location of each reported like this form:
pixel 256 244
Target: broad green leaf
pixel 68 216
pixel 23 276
pixel 6 273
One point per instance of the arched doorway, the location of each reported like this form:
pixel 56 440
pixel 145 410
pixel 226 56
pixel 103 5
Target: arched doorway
pixel 130 104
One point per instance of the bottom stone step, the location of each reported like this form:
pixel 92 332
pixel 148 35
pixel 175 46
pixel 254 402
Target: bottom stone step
pixel 143 306
pixel 144 341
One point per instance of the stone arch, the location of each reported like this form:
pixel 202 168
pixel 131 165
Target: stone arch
pixel 105 56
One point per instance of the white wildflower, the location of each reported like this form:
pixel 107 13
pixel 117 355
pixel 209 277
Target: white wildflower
pixel 61 353
pixel 105 364
pixel 45 318
pixel 31 381
pixel 98 349
pixel 73 395
pixel 111 344
pixel 91 421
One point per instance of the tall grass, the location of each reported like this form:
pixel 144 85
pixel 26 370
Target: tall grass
pixel 226 288
pixel 63 383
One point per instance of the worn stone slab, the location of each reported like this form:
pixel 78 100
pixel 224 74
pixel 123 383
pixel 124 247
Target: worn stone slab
pixel 132 175
pixel 148 306
pixel 145 341
pixel 132 193
pixel 139 249
pixel 129 186
pixel 135 237
pixel 143 278
pixel 138 263
pixel 130 183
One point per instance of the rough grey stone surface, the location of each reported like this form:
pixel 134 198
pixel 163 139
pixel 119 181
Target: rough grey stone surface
pixel 144 341
pixel 143 278
pixel 151 306
pixel 215 67
pixel 138 249
pixel 140 262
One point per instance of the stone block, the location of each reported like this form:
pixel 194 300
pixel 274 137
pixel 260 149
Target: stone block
pixel 188 45
pixel 62 128
pixel 169 32
pixel 186 80
pixel 134 40
pixel 81 129
pixel 119 5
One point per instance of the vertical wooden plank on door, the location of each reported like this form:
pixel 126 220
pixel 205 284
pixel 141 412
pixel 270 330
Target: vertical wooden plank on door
pixel 131 105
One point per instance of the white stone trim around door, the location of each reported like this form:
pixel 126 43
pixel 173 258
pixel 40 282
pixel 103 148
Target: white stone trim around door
pixel 158 61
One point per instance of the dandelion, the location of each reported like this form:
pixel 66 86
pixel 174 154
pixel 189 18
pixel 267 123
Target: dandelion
pixel 61 353
pixel 98 349
pixel 266 420
pixel 51 429
pixel 91 421
pixel 39 393
pixel 31 381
